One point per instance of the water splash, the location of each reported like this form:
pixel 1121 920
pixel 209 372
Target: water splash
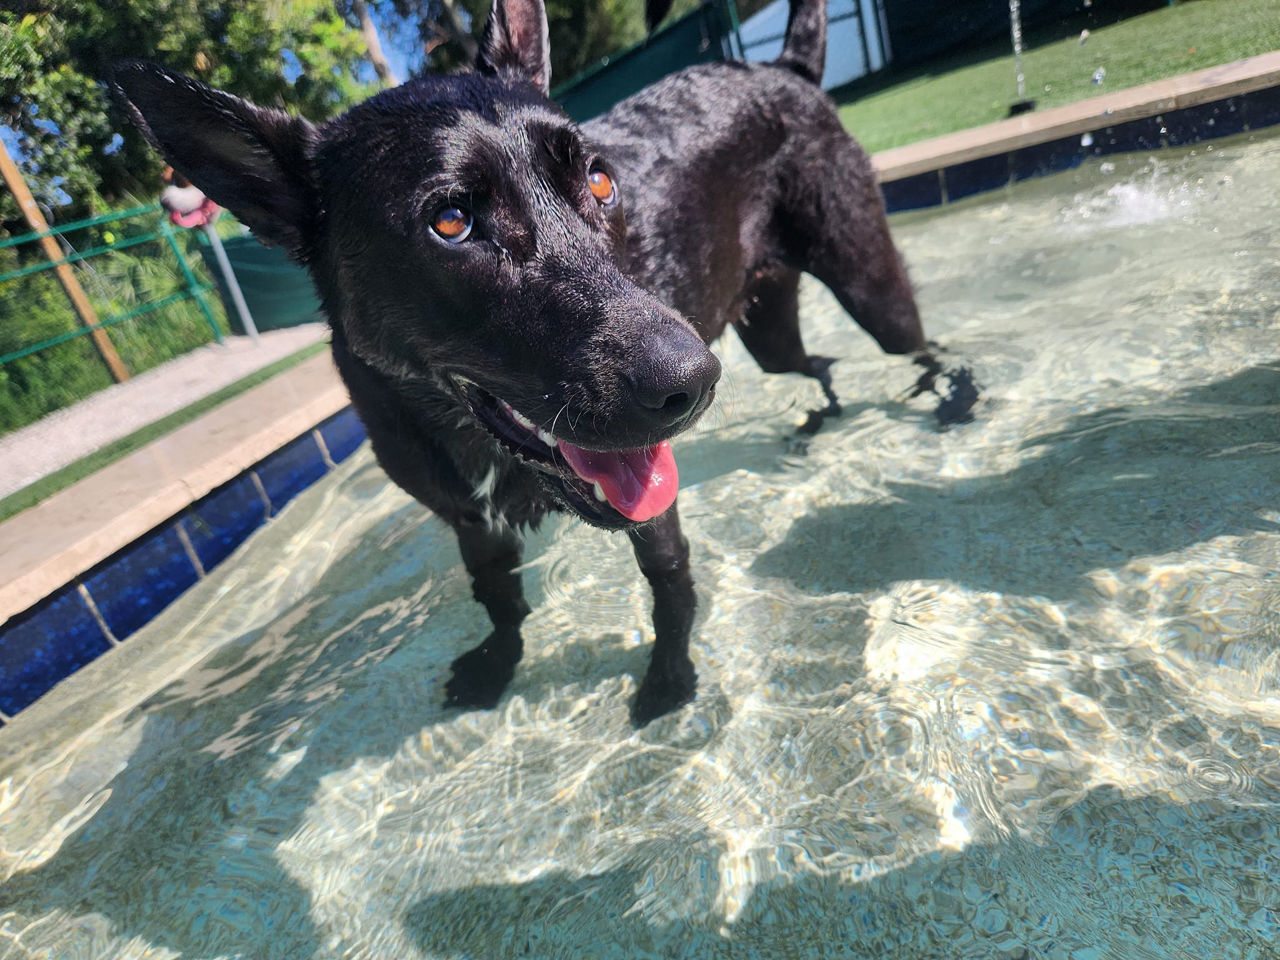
pixel 1015 29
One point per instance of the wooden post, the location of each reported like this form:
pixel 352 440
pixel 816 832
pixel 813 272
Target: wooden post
pixel 66 276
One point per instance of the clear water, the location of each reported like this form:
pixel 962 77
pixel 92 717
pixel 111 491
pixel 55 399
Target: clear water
pixel 1010 690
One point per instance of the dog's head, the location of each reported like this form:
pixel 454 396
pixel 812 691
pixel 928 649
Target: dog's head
pixel 464 233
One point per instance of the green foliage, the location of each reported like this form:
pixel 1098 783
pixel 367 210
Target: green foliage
pixel 584 31
pixel 34 308
pixel 54 57
pixel 37 91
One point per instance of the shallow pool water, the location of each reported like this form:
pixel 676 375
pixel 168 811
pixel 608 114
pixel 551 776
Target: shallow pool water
pixel 1008 690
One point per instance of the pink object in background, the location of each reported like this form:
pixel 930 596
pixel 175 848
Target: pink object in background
pixel 188 207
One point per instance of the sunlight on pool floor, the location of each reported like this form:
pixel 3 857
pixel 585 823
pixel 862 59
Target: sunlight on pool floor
pixel 1008 690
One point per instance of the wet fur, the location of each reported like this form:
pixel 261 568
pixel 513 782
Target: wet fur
pixel 734 178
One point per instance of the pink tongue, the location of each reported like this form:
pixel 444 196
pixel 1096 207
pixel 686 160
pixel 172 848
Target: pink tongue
pixel 639 484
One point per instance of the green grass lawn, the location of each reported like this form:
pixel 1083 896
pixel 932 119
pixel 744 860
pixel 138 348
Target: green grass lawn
pixel 976 86
pixel 33 493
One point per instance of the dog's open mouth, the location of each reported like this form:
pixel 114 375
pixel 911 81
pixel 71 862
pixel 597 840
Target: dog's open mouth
pixel 609 487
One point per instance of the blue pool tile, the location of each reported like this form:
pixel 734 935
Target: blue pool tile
pixel 912 193
pixel 1128 137
pixel 343 433
pixel 290 470
pixel 50 641
pixel 141 580
pixel 1262 108
pixel 1043 158
pixel 220 522
pixel 976 176
pixel 1205 122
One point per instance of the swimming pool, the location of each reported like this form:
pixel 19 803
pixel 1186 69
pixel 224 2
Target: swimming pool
pixel 1008 690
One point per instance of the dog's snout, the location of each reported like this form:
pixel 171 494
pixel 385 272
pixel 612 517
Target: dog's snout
pixel 672 375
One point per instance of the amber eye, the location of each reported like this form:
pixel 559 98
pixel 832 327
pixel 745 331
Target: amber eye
pixel 602 187
pixel 452 224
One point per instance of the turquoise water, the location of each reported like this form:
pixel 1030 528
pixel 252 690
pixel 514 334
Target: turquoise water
pixel 1004 691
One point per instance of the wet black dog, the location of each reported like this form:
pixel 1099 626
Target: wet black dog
pixel 513 342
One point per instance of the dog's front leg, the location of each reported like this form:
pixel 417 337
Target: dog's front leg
pixel 663 555
pixel 491 555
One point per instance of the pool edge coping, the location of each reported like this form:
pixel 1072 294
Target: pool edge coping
pixel 172 479
pixel 1212 84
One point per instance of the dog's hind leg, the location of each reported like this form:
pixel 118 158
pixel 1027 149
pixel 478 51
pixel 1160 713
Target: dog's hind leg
pixel 491 555
pixel 847 245
pixel 663 555
pixel 770 330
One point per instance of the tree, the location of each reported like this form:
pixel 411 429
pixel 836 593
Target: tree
pixel 582 31
pixel 78 153
pixel 358 11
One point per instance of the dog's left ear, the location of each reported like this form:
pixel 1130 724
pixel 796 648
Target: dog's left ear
pixel 515 39
pixel 253 161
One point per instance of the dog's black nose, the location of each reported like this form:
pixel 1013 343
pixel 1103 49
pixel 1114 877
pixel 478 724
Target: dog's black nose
pixel 672 373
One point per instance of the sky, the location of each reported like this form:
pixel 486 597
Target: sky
pixel 400 43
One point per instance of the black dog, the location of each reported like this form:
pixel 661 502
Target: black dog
pixel 512 342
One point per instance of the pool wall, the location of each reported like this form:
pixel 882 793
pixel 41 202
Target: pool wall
pixel 84 570
pixel 1181 111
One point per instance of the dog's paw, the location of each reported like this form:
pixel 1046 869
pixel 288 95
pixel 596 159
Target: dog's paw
pixel 479 677
pixel 962 393
pixel 664 689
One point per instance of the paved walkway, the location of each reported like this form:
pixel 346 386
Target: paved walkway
pixel 66 435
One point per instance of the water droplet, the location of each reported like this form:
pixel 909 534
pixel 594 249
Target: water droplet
pixel 1219 777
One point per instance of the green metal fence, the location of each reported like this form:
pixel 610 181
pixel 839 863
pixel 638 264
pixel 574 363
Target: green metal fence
pixel 195 290
pixel 142 291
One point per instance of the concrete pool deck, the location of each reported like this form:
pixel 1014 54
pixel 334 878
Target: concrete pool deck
pixel 82 570
pixel 54 441
pixel 60 538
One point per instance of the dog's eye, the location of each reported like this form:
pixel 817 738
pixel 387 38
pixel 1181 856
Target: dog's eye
pixel 452 224
pixel 602 187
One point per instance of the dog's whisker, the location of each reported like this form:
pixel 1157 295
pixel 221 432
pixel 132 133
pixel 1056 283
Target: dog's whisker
pixel 563 409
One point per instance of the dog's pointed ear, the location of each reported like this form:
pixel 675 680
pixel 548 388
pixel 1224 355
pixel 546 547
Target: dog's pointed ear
pixel 515 39
pixel 253 161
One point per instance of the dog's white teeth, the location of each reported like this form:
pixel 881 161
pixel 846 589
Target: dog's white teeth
pixel 599 492
pixel 520 418
pixel 546 438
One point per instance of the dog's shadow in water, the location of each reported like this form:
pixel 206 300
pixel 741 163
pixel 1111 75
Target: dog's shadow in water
pixel 1110 486
pixel 1047 897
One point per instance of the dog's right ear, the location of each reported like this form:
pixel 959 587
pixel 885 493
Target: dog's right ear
pixel 516 39
pixel 253 161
